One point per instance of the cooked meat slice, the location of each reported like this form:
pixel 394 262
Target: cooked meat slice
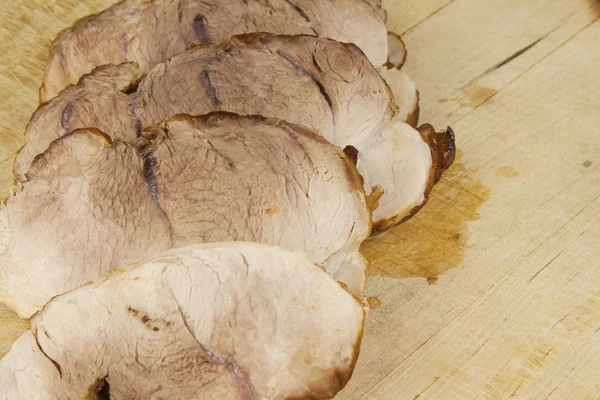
pixel 227 321
pixel 423 155
pixel 405 93
pixel 79 107
pixel 414 160
pixel 404 159
pixel 327 86
pixel 148 32
pixel 220 177
pixel 252 179
pixel 84 212
pixel 396 51
pixel 27 373
pixel 322 84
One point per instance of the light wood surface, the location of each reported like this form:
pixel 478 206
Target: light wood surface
pixel 493 290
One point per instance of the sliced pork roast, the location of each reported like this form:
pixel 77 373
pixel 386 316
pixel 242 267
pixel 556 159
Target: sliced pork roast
pixel 91 206
pixel 148 32
pixel 217 321
pixel 405 94
pixel 396 52
pixel 327 86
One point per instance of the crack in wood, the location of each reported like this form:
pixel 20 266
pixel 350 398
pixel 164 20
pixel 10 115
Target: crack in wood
pixel 517 54
pixel 544 267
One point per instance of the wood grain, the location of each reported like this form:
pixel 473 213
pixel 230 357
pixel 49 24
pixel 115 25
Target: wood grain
pixel 493 290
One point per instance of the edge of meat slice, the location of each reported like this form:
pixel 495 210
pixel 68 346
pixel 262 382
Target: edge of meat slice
pixel 427 153
pixel 149 32
pixel 89 202
pixel 327 86
pixel 75 108
pixel 396 51
pixel 406 95
pixel 221 320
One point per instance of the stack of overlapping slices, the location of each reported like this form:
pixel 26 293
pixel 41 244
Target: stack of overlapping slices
pixel 193 193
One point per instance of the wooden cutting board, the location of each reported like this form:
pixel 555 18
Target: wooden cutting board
pixel 493 290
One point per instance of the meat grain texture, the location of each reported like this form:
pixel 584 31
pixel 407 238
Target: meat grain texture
pixel 329 87
pixel 217 321
pixel 99 190
pixel 149 32
pixel 91 206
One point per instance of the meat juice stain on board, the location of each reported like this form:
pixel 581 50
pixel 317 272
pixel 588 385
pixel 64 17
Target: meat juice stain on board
pixel 472 96
pixel 11 327
pixel 507 172
pixel 433 241
pixel 374 302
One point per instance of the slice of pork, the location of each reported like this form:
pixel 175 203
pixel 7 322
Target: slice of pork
pixel 396 51
pixel 227 321
pixel 404 90
pixel 405 94
pixel 417 158
pixel 325 85
pixel 100 100
pixel 149 32
pixel 84 212
pixel 91 206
